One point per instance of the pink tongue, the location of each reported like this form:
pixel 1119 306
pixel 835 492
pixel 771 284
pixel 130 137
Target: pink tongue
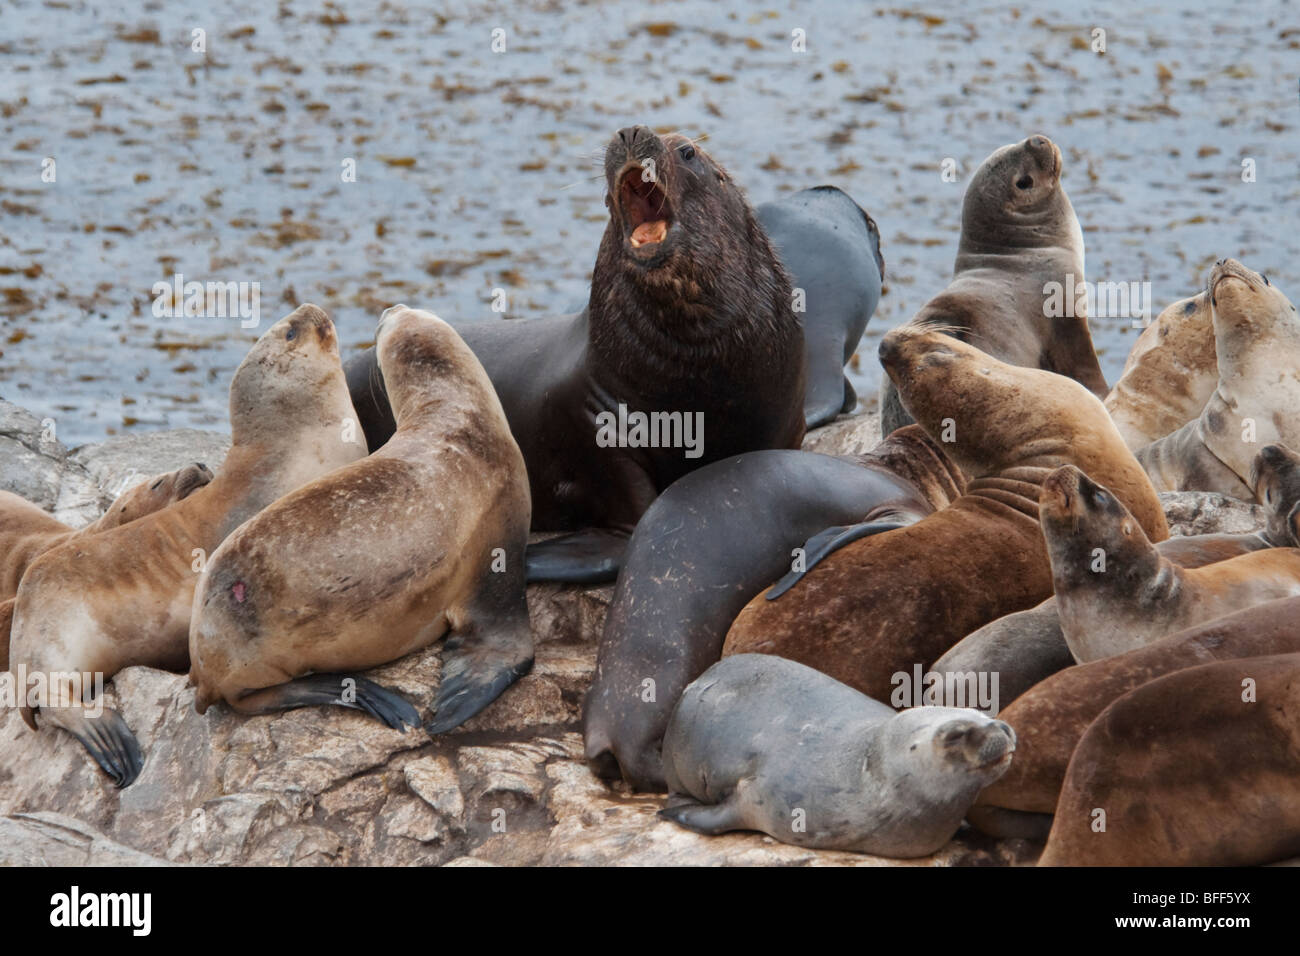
pixel 649 232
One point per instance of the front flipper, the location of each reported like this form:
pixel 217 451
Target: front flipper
pixel 593 556
pixel 824 543
pixel 478 663
pixel 106 738
pixel 709 819
pixel 339 690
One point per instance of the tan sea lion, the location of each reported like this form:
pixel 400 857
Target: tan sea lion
pixel 1170 374
pixel 27 532
pixel 122 597
pixel 1020 243
pixel 1029 646
pixel 882 605
pixel 1257 342
pixel 1195 768
pixel 285 607
pixel 1115 591
pixel 1050 719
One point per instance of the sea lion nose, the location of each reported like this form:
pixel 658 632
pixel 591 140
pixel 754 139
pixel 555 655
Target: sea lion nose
pixel 1038 142
pixel 631 135
pixel 888 351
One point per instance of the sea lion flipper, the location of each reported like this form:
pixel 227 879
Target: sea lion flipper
pixel 106 738
pixel 710 819
pixel 478 663
pixel 593 556
pixel 340 690
pixel 826 542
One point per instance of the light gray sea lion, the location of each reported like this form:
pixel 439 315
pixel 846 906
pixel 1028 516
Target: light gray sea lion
pixel 763 743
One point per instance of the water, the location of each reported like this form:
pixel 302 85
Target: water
pixel 479 170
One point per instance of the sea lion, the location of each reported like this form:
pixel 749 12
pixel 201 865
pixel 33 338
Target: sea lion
pixel 284 607
pixel 1115 591
pixel 1020 241
pixel 690 320
pixel 708 544
pixel 111 600
pixel 762 743
pixel 1051 718
pixel 831 248
pixel 1195 768
pixel 1257 344
pixel 1170 374
pixel 885 604
pixel 27 532
pixel 1029 646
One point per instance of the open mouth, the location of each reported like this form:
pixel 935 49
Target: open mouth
pixel 647 215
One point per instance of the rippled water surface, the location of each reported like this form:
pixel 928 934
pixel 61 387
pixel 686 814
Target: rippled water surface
pixel 477 170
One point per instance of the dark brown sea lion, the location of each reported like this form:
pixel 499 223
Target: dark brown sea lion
pixel 690 320
pixel 1195 768
pixel 881 606
pixel 1020 244
pixel 107 601
pixel 711 542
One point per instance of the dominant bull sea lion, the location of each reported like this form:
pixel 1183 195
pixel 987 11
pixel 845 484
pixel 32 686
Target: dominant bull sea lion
pixel 690 315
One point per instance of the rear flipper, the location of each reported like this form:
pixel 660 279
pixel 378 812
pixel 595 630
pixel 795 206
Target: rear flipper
pixel 824 543
pixel 341 690
pixel 106 738
pixel 593 556
pixel 479 662
pixel 709 819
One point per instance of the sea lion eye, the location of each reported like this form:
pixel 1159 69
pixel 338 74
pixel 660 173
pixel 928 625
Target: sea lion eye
pixel 291 334
pixel 687 151
pixel 1024 182
pixel 1264 277
pixel 1101 498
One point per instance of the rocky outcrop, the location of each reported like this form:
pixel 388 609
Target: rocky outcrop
pixel 325 786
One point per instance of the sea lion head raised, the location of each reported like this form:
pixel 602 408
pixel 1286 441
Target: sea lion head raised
pixel 296 358
pixel 1275 477
pixel 680 229
pixel 1015 198
pixel 1248 309
pixel 1092 539
pixel 422 359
